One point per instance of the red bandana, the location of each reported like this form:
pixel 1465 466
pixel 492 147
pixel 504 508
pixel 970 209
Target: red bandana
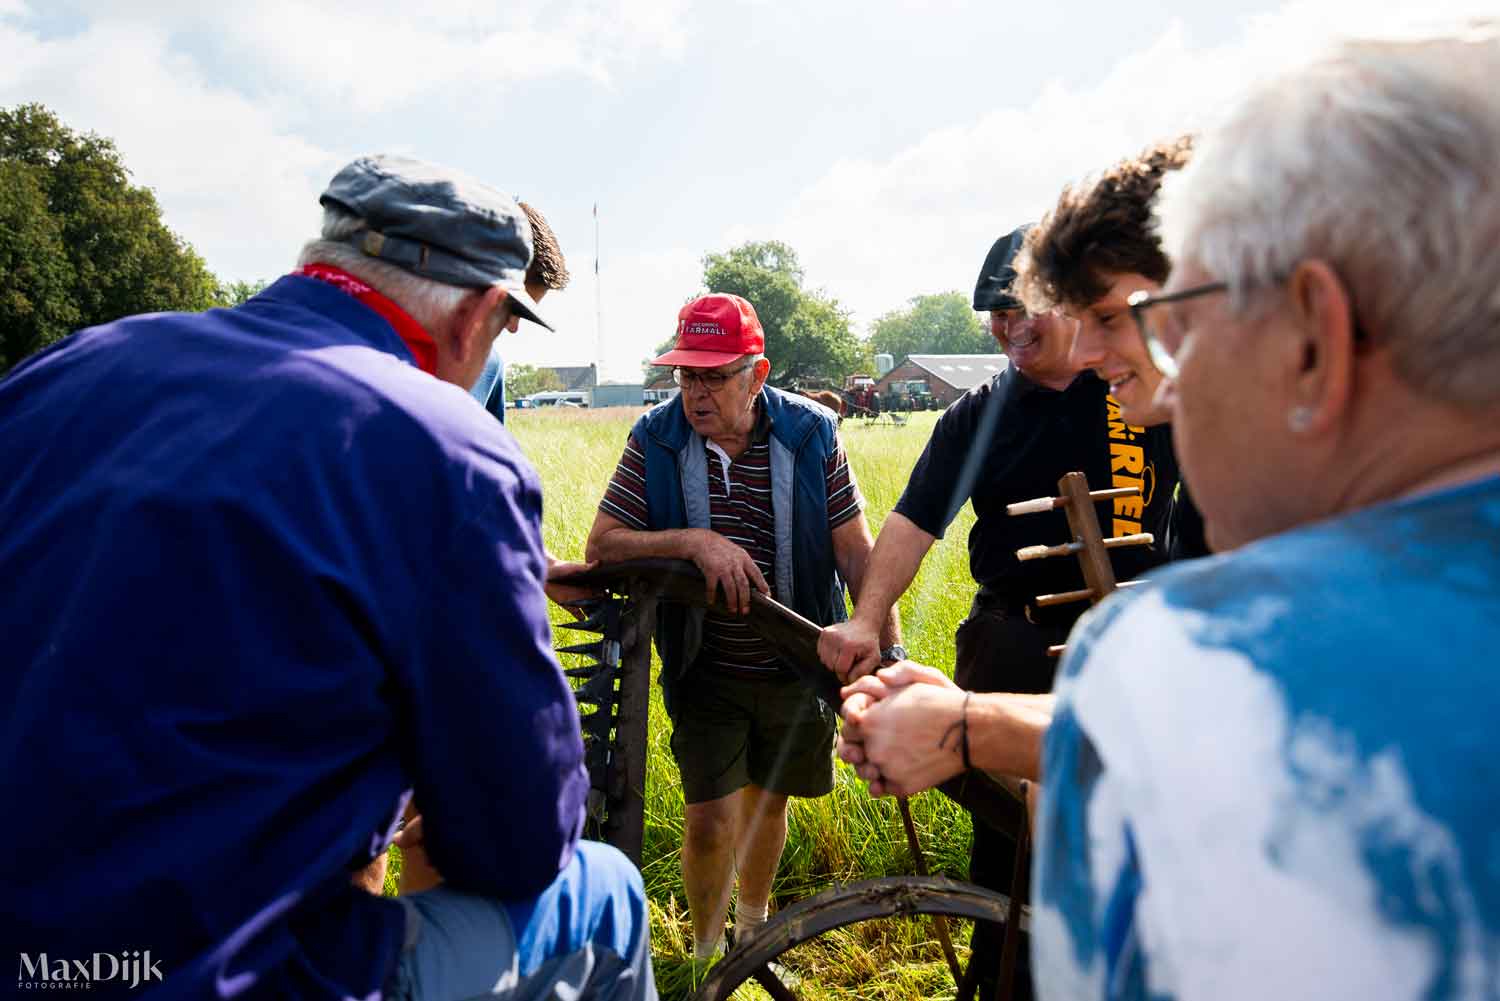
pixel 418 341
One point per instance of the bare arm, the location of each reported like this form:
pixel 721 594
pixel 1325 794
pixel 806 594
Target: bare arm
pixel 723 563
pixel 852 547
pixel 901 730
pixel 1006 731
pixel 611 541
pixel 853 648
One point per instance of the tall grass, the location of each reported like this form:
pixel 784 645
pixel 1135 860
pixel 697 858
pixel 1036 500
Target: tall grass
pixel 844 836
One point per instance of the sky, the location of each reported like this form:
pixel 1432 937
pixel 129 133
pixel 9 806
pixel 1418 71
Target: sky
pixel 889 142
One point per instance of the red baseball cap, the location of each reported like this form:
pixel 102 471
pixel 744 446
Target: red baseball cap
pixel 713 330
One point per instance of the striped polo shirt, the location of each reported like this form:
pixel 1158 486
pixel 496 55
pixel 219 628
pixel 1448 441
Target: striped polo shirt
pixel 739 493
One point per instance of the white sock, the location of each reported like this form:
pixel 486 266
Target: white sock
pixel 748 920
pixel 708 950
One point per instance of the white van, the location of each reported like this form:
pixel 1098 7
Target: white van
pixel 557 398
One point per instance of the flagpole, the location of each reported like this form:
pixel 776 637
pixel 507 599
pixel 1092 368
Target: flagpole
pixel 598 303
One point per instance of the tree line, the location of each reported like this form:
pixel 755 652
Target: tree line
pixel 79 243
pixel 82 245
pixel 809 339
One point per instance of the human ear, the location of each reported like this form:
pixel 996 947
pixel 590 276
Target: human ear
pixel 760 372
pixel 469 322
pixel 1322 379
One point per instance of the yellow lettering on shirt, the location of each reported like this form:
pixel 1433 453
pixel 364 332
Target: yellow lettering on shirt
pixel 1127 458
pixel 1118 429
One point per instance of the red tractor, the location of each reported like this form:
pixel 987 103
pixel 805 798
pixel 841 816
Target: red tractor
pixel 859 393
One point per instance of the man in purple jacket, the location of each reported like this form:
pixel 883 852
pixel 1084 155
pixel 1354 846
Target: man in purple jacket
pixel 268 572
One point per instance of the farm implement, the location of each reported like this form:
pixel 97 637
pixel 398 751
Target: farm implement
pixel 613 691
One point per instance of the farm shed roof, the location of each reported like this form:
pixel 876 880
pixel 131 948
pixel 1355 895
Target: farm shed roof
pixel 961 371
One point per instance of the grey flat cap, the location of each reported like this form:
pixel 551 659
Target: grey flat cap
pixel 992 291
pixel 438 223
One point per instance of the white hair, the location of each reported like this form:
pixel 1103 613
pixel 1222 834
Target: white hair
pixel 430 303
pixel 1383 159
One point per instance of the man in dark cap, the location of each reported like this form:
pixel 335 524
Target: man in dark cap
pixel 1007 440
pixel 278 575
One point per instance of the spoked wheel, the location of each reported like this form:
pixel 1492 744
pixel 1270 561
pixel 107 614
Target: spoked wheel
pixel 867 900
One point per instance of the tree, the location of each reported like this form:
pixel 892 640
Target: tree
pixel 238 292
pixel 79 244
pixel 523 380
pixel 942 324
pixel 36 278
pixel 807 334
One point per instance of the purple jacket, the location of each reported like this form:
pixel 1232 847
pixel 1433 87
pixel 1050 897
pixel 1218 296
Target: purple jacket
pixel 263 576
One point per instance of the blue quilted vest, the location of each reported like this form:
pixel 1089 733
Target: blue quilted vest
pixel 806 578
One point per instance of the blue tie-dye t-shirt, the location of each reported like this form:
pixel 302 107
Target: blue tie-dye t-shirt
pixel 1276 773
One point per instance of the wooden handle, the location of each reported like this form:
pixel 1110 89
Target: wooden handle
pixel 1047 552
pixel 1119 541
pixel 1064 597
pixel 1041 504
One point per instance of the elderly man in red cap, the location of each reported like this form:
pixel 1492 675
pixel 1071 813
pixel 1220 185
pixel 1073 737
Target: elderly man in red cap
pixel 753 486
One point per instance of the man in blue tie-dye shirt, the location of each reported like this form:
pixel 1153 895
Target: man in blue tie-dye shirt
pixel 1272 774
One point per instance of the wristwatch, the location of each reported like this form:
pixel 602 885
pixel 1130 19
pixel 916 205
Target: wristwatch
pixel 894 652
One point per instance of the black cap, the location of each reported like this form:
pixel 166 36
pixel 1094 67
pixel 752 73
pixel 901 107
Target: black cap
pixel 993 288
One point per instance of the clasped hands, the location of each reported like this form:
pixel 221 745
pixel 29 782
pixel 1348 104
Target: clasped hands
pixel 901 722
pixel 903 728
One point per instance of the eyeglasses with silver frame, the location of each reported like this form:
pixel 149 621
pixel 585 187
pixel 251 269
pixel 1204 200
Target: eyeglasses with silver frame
pixel 1140 305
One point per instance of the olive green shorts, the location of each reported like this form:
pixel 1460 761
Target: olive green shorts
pixel 730 732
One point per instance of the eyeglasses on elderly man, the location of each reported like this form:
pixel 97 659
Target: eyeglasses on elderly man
pixel 1158 323
pixel 713 379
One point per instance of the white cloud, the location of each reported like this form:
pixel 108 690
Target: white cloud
pixel 877 232
pixel 642 293
pixel 232 172
pixel 379 54
pixel 227 177
pixel 237 152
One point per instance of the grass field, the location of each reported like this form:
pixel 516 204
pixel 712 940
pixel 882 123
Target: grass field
pixel 841 837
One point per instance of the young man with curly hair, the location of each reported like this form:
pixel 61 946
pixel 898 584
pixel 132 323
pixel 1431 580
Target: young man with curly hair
pixel 1094 250
pixel 548 272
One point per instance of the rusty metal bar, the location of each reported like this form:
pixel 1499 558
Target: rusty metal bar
pixel 772 985
pixel 919 862
pixel 1010 948
pixel 845 905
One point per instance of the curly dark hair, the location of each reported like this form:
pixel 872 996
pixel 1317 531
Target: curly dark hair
pixel 547 268
pixel 1101 228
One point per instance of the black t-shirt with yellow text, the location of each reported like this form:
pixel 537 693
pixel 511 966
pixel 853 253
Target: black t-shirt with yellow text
pixel 1037 436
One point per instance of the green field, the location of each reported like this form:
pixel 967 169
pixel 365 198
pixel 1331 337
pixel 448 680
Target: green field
pixel 841 837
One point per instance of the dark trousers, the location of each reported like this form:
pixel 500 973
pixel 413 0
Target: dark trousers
pixel 999 650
